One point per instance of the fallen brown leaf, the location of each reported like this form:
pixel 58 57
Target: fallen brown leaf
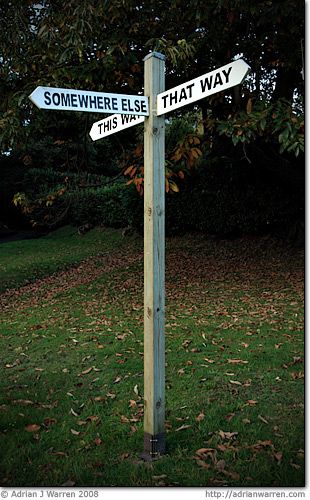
pixel 295 466
pixel 183 427
pixel 220 465
pixel 262 444
pixel 85 372
pixel 121 336
pixel 203 464
pixel 229 417
pixel 246 421
pixel 200 417
pixel 263 419
pixel 227 435
pixel 32 427
pixel 74 432
pixel 99 398
pixel 23 402
pixel 251 402
pixel 92 418
pixel 204 451
pixel 222 447
pixel 237 361
pixel 233 475
pixel 278 456
pixel 49 421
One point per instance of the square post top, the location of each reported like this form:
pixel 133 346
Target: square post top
pixel 158 55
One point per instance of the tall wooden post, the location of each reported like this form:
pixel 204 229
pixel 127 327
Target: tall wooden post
pixel 154 262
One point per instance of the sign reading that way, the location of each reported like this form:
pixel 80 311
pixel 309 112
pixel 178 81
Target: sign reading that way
pixel 86 100
pixel 113 124
pixel 220 79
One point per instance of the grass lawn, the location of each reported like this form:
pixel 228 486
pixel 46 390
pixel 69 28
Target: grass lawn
pixel 71 344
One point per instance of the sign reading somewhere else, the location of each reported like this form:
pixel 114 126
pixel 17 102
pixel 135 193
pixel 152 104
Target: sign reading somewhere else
pixel 220 79
pixel 113 124
pixel 94 102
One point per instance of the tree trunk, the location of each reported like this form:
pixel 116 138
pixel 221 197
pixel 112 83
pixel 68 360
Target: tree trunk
pixel 286 83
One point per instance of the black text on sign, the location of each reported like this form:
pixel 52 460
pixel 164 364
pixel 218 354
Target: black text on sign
pixel 220 79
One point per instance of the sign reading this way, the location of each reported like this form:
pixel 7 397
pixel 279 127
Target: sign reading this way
pixel 86 100
pixel 112 124
pixel 220 79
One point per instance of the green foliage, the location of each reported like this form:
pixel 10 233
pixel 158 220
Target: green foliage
pixel 274 122
pixel 175 53
pixel 113 206
pixel 42 180
pixel 100 46
pixel 49 193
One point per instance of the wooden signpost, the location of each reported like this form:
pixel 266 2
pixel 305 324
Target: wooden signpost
pixel 154 262
pixel 149 108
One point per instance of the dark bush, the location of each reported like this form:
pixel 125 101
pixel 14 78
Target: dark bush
pixel 39 181
pixel 116 206
pixel 229 199
pixel 222 198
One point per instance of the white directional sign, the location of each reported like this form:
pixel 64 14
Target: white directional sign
pixel 113 124
pixel 86 100
pixel 217 80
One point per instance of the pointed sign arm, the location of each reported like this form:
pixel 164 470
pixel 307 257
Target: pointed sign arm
pixel 210 83
pixel 87 100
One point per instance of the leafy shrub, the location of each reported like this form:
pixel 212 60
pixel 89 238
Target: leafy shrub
pixel 274 122
pixel 221 198
pixel 115 206
pixel 40 181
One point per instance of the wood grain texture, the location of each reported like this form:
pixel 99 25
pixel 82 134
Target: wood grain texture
pixel 154 251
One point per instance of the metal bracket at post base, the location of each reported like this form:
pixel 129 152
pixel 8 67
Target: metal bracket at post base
pixel 154 446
